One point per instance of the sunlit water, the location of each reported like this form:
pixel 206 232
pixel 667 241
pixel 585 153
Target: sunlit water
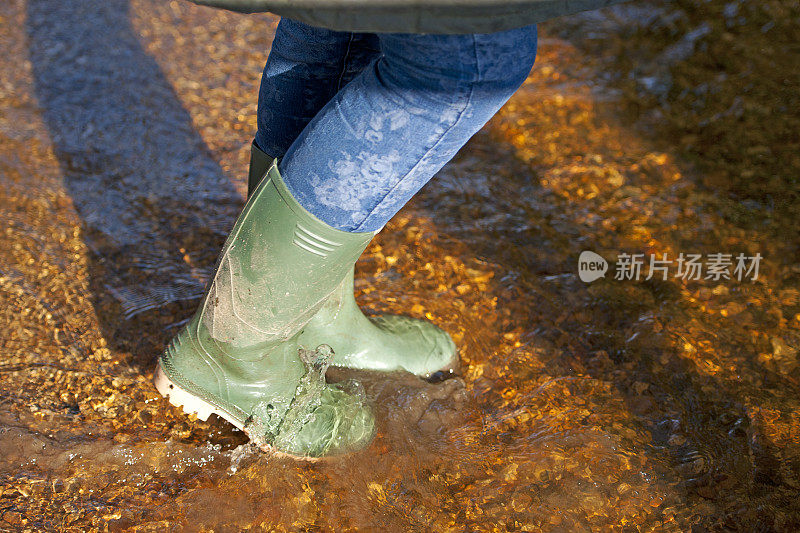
pixel 616 405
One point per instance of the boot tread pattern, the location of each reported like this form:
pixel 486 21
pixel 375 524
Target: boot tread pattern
pixel 191 404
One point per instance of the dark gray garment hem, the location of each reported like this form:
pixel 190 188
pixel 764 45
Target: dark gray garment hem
pixel 414 16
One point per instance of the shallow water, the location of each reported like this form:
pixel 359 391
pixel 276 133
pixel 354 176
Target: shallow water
pixel 616 405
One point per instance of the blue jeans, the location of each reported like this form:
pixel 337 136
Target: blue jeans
pixel 362 121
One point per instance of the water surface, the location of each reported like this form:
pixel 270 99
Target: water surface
pixel 619 405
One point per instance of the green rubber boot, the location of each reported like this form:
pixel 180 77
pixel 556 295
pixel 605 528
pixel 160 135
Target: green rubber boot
pixel 386 342
pixel 240 356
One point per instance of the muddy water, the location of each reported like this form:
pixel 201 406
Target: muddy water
pixel 617 405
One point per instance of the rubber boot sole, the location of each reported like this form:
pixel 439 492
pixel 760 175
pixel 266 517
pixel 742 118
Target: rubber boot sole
pixel 193 405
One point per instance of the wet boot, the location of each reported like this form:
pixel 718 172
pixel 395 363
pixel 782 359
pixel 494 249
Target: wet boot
pixel 386 342
pixel 241 357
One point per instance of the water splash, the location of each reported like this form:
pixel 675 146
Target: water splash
pixel 319 419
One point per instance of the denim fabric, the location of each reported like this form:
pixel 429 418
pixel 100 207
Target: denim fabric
pixel 362 121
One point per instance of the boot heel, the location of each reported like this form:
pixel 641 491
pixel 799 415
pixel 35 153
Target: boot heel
pixel 190 403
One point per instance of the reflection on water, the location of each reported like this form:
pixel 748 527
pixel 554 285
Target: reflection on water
pixel 650 405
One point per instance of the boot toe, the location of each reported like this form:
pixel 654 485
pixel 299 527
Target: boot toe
pixel 423 348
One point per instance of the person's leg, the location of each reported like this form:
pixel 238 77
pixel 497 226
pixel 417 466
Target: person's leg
pixel 306 67
pixel 243 355
pixel 386 133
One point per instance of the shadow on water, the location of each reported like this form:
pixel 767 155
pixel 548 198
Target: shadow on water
pixel 154 209
pixel 155 206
